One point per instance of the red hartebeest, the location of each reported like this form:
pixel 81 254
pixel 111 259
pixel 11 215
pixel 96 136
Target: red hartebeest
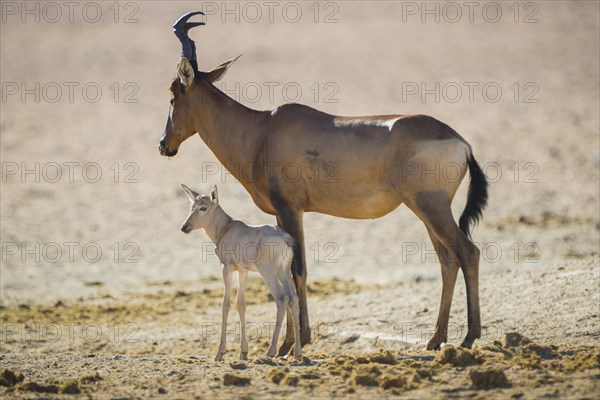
pixel 375 163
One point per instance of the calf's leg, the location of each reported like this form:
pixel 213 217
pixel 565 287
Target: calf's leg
pixel 227 272
pixel 241 307
pixel 293 307
pixel 281 306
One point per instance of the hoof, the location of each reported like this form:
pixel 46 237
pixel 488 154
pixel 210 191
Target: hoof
pixel 467 343
pixel 244 356
pixel 305 338
pixel 297 352
pixel 219 356
pixel 285 348
pixel 434 345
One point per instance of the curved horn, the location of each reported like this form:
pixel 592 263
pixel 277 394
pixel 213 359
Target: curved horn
pixel 181 28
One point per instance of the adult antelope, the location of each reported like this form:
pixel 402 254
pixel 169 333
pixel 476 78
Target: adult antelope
pixel 374 164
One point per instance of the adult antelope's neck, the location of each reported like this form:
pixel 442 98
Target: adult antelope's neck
pixel 231 130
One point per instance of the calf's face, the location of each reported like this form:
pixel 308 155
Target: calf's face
pixel 201 209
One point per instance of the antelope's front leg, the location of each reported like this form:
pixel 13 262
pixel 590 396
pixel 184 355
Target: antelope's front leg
pixel 227 272
pixel 241 307
pixel 291 221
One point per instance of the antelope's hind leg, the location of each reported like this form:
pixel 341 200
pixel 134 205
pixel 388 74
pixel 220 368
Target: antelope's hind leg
pixel 449 269
pixel 433 208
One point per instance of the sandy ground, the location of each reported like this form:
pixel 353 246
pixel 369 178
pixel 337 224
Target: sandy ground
pixel 103 297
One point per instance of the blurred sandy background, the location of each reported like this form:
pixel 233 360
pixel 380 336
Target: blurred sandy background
pixel 540 232
pixel 546 152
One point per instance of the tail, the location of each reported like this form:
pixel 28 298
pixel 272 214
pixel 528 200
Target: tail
pixel 290 251
pixel 286 270
pixel 476 199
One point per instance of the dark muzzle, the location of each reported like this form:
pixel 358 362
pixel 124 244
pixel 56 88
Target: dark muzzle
pixel 164 151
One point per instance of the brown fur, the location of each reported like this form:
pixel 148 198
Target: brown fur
pixel 352 167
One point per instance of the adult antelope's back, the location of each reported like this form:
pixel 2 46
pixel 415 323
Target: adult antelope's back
pixel 352 167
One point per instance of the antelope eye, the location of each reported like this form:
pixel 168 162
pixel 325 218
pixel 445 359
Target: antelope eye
pixel 172 101
pixel 202 208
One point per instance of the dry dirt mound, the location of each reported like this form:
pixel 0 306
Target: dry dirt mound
pixel 498 370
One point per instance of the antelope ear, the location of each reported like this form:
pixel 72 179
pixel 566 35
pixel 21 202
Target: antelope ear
pixel 214 196
pixel 185 71
pixel 219 71
pixel 190 193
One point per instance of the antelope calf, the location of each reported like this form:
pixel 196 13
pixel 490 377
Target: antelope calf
pixel 265 249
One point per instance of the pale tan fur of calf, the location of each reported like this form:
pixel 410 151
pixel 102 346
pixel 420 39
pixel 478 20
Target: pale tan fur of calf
pixel 265 249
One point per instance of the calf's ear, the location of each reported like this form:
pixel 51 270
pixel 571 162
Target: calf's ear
pixel 214 196
pixel 190 193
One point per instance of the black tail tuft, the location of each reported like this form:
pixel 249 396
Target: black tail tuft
pixel 476 199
